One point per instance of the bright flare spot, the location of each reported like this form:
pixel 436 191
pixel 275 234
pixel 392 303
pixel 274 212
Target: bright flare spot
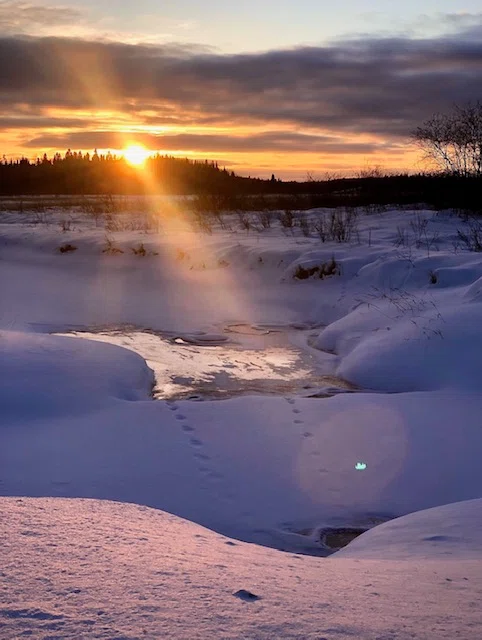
pixel 136 155
pixel 360 466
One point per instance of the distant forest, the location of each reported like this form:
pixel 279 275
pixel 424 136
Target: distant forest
pixel 78 174
pixel 75 173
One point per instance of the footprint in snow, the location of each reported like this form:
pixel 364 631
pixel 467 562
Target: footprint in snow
pixel 202 456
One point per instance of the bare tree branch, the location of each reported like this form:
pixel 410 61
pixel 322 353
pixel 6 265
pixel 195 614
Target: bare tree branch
pixel 454 141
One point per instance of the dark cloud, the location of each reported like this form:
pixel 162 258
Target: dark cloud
pixel 384 86
pixel 275 141
pixel 17 16
pixel 45 122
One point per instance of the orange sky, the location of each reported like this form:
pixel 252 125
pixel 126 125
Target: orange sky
pixel 339 106
pixel 247 148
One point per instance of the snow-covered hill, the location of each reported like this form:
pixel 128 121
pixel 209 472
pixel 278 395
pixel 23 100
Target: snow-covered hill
pixel 104 570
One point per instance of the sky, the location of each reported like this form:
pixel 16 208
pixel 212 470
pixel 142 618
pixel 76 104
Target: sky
pixel 293 88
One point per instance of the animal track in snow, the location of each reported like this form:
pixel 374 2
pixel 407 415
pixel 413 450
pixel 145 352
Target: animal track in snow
pixel 204 461
pixel 202 456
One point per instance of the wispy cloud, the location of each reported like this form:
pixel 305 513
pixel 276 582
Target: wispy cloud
pixel 43 19
pixel 461 21
pixel 276 141
pixel 19 17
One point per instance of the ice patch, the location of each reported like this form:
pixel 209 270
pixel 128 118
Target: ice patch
pixel 245 359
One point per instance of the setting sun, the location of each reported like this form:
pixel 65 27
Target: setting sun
pixel 136 155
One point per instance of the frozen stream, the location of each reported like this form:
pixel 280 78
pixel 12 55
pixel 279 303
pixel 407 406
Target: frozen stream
pixel 242 359
pixel 237 359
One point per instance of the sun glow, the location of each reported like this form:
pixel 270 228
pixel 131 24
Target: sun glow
pixel 136 154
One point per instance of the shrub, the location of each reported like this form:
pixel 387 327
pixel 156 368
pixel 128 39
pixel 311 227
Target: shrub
pixel 301 273
pixel 454 141
pixel 245 221
pixel 110 248
pixel 265 218
pixel 343 224
pixel 472 238
pixel 304 225
pixel 324 270
pixel 338 226
pixel 203 222
pixel 287 219
pixel 65 225
pixel 140 250
pixel 67 248
pixel 321 229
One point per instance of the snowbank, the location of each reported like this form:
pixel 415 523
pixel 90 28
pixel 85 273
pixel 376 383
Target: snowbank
pixel 452 531
pixel 88 569
pixel 436 349
pixel 48 376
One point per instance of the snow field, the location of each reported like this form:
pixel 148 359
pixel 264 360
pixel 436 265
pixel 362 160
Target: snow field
pixel 104 570
pixel 401 321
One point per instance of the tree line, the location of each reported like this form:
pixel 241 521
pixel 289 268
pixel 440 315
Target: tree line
pixel 75 173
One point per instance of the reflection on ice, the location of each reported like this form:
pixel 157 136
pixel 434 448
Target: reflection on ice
pixel 239 360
